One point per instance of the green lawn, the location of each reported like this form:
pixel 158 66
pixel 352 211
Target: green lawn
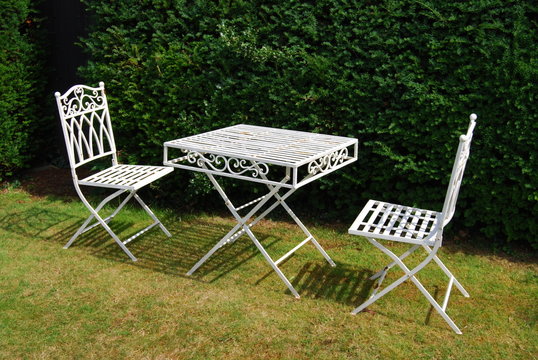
pixel 91 301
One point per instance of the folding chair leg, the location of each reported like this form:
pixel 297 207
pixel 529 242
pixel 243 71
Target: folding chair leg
pixel 383 292
pixel 436 306
pixel 122 204
pixel 79 231
pixel 447 272
pixel 152 215
pixel 93 212
pixel 116 238
pixel 380 275
pixel 409 274
pixel 389 266
pixel 104 222
pixel 397 261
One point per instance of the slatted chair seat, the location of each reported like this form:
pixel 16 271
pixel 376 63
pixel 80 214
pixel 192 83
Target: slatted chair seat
pixel 397 223
pixel 128 177
pixel 384 221
pixel 88 136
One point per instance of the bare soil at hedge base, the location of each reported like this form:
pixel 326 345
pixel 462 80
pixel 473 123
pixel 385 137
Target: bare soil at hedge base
pixel 48 180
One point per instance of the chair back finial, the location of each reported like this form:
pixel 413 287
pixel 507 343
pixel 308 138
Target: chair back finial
pixel 86 124
pixel 458 169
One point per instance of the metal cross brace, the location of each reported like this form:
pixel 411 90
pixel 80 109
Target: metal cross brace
pixel 104 222
pixel 244 226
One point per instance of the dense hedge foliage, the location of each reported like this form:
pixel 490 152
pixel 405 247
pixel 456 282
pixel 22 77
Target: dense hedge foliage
pixel 22 83
pixel 401 76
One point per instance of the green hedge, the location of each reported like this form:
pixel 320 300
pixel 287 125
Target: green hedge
pixel 401 76
pixel 22 84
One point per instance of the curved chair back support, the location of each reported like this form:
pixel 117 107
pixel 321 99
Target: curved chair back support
pixel 458 169
pixel 86 124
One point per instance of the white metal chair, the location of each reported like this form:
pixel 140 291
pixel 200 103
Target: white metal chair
pixel 379 220
pixel 88 136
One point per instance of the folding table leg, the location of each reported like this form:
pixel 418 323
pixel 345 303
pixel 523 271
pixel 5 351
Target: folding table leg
pixel 217 246
pixel 281 201
pixel 271 262
pixel 241 221
pixel 243 227
pixel 305 230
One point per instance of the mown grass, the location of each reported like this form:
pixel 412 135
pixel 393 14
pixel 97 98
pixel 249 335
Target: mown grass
pixel 91 301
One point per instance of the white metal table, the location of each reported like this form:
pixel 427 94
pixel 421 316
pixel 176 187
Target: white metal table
pixel 281 159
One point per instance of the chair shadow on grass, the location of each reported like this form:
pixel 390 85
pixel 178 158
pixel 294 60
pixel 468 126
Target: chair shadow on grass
pixel 36 223
pixel 154 250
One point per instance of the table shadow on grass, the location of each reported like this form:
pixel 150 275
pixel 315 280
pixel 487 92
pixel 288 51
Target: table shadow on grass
pixel 189 243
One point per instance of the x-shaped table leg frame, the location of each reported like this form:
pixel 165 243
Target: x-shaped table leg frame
pixel 410 274
pixel 244 227
pixel 104 222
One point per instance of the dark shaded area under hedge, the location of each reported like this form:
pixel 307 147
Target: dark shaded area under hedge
pixel 401 76
pixel 23 122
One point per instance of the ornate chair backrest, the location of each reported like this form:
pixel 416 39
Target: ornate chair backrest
pixel 86 124
pixel 457 172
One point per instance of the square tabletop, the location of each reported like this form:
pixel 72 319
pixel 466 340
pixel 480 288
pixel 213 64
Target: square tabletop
pixel 263 146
